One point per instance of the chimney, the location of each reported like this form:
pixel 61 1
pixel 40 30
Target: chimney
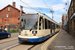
pixel 14 4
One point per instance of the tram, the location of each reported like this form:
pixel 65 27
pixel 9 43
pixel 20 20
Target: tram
pixel 36 27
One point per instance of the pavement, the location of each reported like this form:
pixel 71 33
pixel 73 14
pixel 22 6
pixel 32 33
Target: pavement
pixel 63 41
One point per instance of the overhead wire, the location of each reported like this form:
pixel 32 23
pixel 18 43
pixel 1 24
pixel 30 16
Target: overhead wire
pixel 37 8
pixel 30 6
pixel 48 6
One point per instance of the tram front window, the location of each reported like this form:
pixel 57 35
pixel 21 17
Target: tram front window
pixel 29 22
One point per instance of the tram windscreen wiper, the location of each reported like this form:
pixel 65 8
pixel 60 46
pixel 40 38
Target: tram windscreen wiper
pixel 30 29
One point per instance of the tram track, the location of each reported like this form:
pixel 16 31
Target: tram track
pixel 28 46
pixel 8 40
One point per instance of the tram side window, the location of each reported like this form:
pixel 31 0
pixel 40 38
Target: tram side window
pixel 48 27
pixel 57 26
pixel 52 25
pixel 49 24
pixel 40 23
pixel 45 23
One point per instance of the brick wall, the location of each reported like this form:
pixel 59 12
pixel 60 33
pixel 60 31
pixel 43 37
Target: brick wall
pixel 13 15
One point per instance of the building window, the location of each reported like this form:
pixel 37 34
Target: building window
pixel 7 15
pixel 9 8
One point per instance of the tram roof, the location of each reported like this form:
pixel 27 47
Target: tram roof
pixel 49 17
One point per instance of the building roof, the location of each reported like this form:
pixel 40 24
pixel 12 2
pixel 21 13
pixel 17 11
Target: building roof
pixel 12 7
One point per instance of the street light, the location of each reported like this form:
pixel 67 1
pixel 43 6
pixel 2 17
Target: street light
pixel 67 8
pixel 67 16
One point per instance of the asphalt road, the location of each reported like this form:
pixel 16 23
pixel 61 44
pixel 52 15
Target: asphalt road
pixel 12 36
pixel 7 44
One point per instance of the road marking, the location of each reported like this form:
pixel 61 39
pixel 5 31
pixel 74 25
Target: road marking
pixel 10 47
pixel 36 46
pixel 44 46
pixel 7 40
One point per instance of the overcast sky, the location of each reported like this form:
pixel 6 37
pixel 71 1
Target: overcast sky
pixel 57 6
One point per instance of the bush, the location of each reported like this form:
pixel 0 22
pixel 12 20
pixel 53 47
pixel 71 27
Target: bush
pixel 13 30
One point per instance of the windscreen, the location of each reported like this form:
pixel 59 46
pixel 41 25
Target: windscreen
pixel 29 21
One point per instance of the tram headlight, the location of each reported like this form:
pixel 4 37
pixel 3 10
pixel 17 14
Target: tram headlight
pixel 34 33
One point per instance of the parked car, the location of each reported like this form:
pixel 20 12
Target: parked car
pixel 4 34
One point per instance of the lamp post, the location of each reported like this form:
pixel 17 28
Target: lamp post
pixel 67 16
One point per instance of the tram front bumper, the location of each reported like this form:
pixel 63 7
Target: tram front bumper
pixel 31 39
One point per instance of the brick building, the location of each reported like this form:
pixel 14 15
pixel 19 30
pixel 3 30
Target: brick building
pixel 71 17
pixel 9 15
pixel 64 21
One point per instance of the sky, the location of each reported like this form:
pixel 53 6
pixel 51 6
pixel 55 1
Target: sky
pixel 56 5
